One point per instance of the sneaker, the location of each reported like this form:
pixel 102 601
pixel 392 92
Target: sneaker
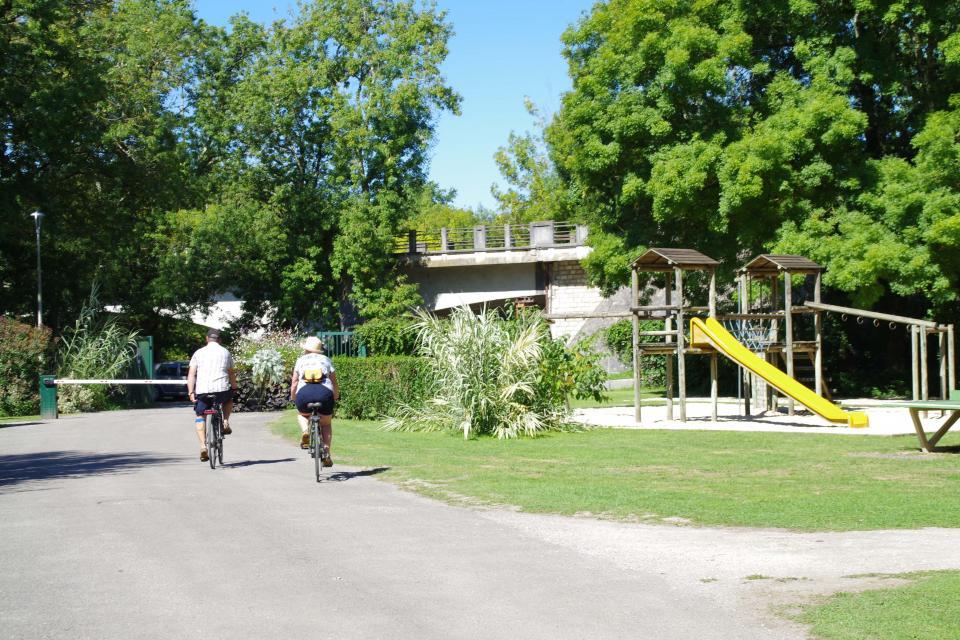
pixel 326 459
pixel 226 429
pixel 305 441
pixel 204 456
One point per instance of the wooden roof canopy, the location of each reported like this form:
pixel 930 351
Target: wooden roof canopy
pixel 770 264
pixel 670 259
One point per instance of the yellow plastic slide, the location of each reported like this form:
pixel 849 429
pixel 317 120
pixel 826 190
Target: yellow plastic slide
pixel 710 333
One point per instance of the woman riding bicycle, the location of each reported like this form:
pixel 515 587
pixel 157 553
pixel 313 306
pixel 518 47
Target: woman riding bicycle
pixel 314 381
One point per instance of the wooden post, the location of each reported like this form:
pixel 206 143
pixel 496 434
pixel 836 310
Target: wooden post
pixel 744 373
pixel 681 367
pixel 788 330
pixel 773 402
pixel 942 357
pixel 951 361
pixel 818 338
pixel 713 386
pixel 667 326
pixel 712 304
pixel 635 300
pixel 924 383
pixel 914 361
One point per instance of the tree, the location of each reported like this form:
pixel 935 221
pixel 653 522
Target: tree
pixel 534 189
pixel 739 127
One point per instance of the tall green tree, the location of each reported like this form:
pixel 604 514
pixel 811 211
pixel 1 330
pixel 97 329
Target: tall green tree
pixel 736 126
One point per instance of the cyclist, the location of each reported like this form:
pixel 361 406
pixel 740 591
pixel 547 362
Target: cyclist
pixel 314 380
pixel 211 373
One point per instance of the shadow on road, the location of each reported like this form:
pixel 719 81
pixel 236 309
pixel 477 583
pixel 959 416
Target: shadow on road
pixel 7 425
pixel 250 463
pixel 341 476
pixel 48 465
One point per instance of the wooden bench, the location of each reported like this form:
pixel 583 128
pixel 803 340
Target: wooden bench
pixel 951 407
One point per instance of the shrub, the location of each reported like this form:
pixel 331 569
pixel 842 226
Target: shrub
pixel 569 371
pixel 388 336
pixel 377 386
pixel 97 346
pixel 492 374
pixel 619 337
pixel 24 354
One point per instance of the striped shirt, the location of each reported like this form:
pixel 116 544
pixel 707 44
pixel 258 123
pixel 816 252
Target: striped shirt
pixel 213 363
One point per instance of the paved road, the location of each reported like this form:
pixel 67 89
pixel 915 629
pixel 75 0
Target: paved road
pixel 110 527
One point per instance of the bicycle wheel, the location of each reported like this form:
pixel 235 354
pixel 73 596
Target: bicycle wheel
pixel 220 438
pixel 211 436
pixel 316 449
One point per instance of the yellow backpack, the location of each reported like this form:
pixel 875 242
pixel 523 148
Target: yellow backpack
pixel 314 375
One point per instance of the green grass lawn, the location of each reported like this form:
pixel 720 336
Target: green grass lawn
pixel 19 419
pixel 621 398
pixel 929 609
pixel 797 481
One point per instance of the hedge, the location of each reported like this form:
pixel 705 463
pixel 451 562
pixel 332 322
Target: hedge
pixel 369 387
pixel 24 353
pixel 374 387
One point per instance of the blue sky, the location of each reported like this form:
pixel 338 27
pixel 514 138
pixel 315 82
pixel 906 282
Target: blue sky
pixel 502 50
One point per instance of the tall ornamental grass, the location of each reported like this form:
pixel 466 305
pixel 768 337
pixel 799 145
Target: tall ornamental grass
pixel 483 373
pixel 96 346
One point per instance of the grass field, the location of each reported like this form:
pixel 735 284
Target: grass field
pixel 19 419
pixel 929 608
pixel 796 481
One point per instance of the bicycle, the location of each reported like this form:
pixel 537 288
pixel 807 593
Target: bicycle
pixel 213 429
pixel 318 451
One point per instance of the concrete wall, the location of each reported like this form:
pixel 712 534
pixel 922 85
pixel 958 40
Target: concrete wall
pixel 448 287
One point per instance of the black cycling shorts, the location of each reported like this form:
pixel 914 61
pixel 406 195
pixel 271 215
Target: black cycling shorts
pixel 221 396
pixel 315 392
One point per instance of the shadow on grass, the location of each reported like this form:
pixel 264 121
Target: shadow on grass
pixel 53 465
pixel 342 476
pixel 250 463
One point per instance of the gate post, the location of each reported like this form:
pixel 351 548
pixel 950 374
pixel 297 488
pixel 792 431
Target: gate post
pixel 48 398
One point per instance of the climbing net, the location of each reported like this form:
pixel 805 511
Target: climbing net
pixel 755 335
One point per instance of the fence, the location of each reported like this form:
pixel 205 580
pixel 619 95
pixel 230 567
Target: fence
pixel 342 343
pixel 492 238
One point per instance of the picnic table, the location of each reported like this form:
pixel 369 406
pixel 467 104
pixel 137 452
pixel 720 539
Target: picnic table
pixel 951 407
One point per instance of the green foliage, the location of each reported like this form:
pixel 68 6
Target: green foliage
pixel 266 367
pixel 24 355
pixel 96 346
pixel 619 337
pixel 737 128
pixel 388 336
pixel 177 160
pixel 377 386
pixel 534 189
pixel 496 375
pixel 283 342
pixel 567 372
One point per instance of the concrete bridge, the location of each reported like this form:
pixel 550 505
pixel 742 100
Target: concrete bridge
pixel 536 263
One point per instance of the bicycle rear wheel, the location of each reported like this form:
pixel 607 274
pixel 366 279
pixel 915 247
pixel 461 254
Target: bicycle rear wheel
pixel 316 448
pixel 220 438
pixel 211 437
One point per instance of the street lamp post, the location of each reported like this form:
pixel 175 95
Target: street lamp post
pixel 37 217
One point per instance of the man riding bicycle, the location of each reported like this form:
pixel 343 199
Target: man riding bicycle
pixel 211 374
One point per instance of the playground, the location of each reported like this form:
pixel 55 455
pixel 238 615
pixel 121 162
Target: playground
pixel 772 330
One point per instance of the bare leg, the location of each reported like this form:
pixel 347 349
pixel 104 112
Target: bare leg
pixel 227 409
pixel 326 431
pixel 201 432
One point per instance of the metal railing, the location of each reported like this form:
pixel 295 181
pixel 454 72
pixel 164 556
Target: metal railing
pixel 505 237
